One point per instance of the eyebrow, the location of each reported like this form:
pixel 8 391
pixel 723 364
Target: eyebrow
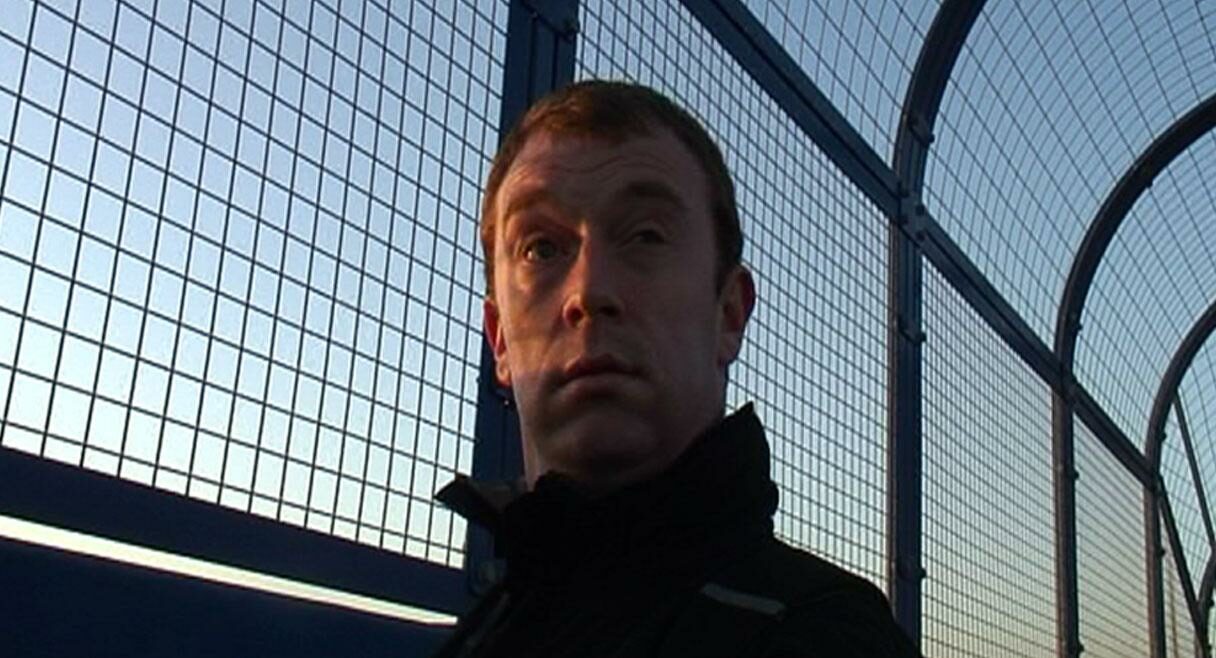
pixel 536 196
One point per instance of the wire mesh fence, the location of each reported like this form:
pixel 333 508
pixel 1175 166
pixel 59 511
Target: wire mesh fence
pixel 1153 282
pixel 990 584
pixel 1184 500
pixel 1048 106
pixel 1110 548
pixel 239 261
pixel 1179 631
pixel 859 54
pixel 1197 398
pixel 239 249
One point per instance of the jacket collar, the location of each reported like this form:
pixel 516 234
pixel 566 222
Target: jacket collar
pixel 718 491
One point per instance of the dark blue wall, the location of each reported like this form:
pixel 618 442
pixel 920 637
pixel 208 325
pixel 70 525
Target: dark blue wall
pixel 54 603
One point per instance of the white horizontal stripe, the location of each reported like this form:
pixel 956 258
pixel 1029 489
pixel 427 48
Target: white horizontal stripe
pixel 733 597
pixel 76 542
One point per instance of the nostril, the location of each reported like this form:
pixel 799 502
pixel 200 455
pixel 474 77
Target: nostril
pixel 582 306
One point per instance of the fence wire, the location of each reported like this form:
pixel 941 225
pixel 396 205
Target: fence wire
pixel 859 54
pixel 1184 500
pixel 239 250
pixel 989 538
pixel 1155 281
pixel 1179 631
pixel 1197 395
pixel 1110 553
pixel 1048 105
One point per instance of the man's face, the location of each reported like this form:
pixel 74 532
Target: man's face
pixel 606 321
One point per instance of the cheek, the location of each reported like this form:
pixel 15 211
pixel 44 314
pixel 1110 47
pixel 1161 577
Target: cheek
pixel 527 297
pixel 527 338
pixel 685 334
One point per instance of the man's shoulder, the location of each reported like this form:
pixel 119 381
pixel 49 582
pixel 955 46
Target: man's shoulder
pixel 819 605
pixel 792 576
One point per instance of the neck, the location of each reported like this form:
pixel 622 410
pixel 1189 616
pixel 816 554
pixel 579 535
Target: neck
pixel 600 480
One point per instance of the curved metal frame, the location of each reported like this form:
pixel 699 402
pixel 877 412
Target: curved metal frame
pixel 905 335
pixel 1167 392
pixel 934 65
pixel 1139 177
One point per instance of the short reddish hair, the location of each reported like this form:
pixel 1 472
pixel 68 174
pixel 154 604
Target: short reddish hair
pixel 615 112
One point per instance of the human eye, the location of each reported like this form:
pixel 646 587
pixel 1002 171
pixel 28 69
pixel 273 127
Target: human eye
pixel 539 250
pixel 648 235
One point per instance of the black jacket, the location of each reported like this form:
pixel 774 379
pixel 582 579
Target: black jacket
pixel 683 565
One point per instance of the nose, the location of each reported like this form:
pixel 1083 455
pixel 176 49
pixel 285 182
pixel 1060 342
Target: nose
pixel 592 288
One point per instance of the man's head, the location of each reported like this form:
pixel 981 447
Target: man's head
pixel 616 297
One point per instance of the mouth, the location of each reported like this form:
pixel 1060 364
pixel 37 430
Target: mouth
pixel 588 367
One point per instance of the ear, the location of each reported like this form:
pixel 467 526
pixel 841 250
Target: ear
pixel 735 302
pixel 498 343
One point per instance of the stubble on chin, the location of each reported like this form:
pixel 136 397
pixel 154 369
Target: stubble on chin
pixel 597 442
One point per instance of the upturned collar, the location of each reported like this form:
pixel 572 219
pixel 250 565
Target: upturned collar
pixel 718 491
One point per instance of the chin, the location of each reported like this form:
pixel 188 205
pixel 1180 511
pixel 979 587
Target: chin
pixel 606 446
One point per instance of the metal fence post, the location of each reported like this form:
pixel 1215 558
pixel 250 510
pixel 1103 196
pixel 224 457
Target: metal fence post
pixel 1154 570
pixel 905 336
pixel 905 332
pixel 539 58
pixel 1064 483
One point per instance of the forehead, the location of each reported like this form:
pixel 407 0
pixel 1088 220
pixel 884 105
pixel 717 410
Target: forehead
pixel 583 170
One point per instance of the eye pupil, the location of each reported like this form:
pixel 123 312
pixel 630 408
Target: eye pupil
pixel 540 250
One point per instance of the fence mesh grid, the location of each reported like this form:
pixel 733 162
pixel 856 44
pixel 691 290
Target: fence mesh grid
pixel 1179 631
pixel 1197 395
pixel 1153 283
pixel 1184 500
pixel 238 242
pixel 1110 553
pixel 1048 106
pixel 813 360
pixel 988 490
pixel 859 54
